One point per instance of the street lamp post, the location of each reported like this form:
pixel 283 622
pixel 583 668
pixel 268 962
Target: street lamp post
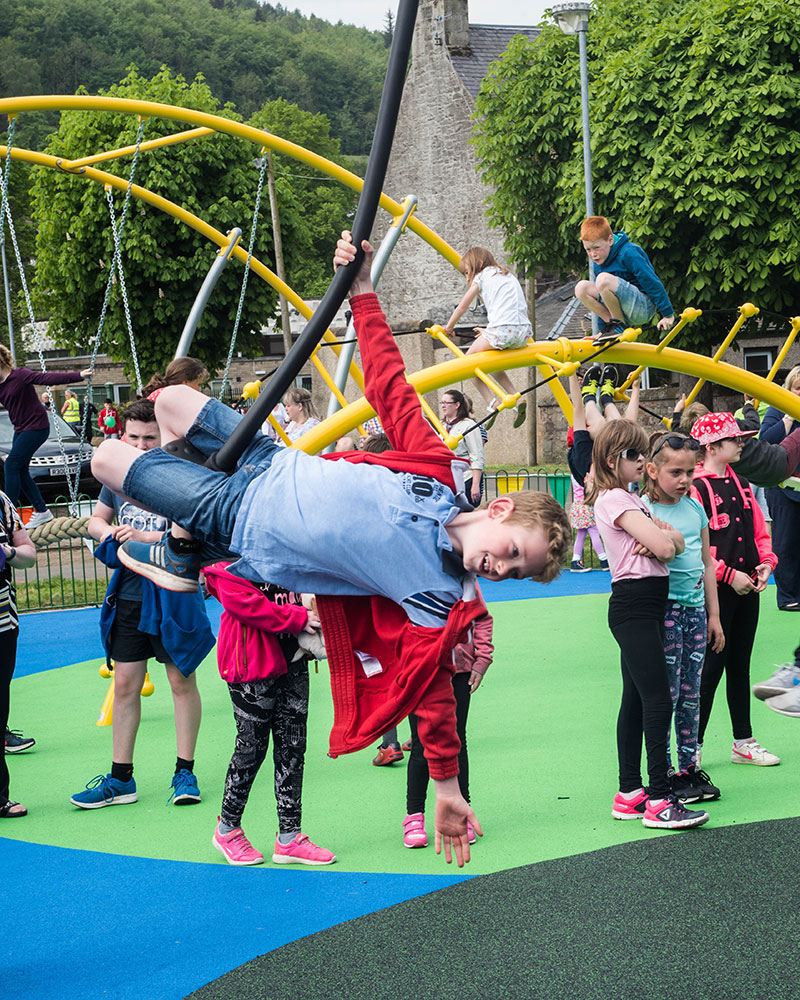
pixel 573 19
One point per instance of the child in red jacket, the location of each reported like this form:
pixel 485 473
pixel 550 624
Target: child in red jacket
pixel 260 656
pixel 743 559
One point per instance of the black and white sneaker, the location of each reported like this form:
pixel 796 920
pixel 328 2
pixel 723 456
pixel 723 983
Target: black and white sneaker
pixel 669 814
pixel 16 742
pixel 683 789
pixel 702 784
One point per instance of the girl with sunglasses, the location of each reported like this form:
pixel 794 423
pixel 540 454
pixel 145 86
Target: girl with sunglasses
pixel 692 618
pixel 638 546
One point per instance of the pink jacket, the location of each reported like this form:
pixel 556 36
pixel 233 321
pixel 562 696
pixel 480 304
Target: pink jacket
pixel 477 654
pixel 247 649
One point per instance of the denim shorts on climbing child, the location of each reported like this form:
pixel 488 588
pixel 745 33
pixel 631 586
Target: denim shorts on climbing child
pixel 201 500
pixel 637 308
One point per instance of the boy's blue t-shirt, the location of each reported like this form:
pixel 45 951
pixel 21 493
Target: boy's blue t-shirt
pixel 329 527
pixel 130 588
pixel 686 571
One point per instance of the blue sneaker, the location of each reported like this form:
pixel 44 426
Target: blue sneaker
pixel 184 789
pixel 178 571
pixel 105 791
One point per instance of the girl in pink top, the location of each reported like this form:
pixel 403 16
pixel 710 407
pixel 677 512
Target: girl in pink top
pixel 638 548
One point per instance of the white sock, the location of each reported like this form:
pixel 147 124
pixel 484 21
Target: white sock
pixel 741 743
pixel 629 796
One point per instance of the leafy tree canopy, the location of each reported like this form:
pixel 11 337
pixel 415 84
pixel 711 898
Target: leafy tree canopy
pixel 695 139
pixel 248 53
pixel 165 262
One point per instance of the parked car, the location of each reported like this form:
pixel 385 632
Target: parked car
pixel 47 465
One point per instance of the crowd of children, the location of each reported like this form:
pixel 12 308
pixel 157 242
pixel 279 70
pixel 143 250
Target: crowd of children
pixel 409 636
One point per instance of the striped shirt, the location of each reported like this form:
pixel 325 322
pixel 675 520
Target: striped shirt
pixel 10 521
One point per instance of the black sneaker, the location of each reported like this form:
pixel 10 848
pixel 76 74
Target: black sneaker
pixel 684 789
pixel 610 330
pixel 608 385
pixel 591 382
pixel 702 786
pixel 16 742
pixel 178 571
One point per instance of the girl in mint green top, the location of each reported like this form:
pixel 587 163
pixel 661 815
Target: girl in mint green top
pixel 692 616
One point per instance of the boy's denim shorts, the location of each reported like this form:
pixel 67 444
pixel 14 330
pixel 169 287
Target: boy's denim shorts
pixel 637 308
pixel 201 500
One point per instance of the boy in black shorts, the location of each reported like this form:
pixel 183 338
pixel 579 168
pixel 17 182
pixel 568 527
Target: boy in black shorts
pixel 140 620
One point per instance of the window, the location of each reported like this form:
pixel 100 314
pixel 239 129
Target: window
pixel 758 360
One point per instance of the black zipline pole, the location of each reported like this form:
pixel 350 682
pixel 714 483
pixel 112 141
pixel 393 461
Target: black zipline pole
pixel 226 458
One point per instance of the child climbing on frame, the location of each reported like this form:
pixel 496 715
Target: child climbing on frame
pixel 639 548
pixel 507 324
pixel 419 546
pixel 692 619
pixel 743 561
pixel 593 405
pixel 261 658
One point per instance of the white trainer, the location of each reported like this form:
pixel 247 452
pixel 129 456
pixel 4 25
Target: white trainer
pixel 752 752
pixel 786 678
pixel 40 517
pixel 787 703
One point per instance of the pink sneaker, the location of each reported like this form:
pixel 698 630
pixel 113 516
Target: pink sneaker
pixel 301 851
pixel 629 808
pixel 236 847
pixel 414 834
pixel 471 833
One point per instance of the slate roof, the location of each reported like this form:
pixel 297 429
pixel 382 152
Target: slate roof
pixel 487 42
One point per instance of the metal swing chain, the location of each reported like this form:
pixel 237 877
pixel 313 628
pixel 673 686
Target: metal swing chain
pixel 5 216
pixel 115 263
pixel 253 228
pixel 124 289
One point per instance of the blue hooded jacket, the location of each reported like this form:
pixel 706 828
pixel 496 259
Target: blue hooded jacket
pixel 180 620
pixel 628 261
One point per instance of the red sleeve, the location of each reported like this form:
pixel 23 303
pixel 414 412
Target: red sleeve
pixel 436 726
pixel 247 604
pixel 385 385
pixel 763 540
pixel 482 629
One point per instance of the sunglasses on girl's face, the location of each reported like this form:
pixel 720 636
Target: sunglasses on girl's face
pixel 631 454
pixel 676 441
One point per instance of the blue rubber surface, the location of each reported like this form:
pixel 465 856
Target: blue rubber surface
pixel 186 924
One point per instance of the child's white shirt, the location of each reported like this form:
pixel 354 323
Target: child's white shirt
pixel 503 297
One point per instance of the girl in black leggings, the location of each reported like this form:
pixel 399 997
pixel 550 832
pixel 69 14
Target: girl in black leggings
pixel 638 547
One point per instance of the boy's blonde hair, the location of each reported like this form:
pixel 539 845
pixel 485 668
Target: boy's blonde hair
pixel 614 438
pixel 596 227
pixel 788 383
pixel 691 415
pixel 475 260
pixel 540 510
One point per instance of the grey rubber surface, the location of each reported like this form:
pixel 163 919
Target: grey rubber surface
pixel 708 914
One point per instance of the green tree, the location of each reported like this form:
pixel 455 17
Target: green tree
pixel 313 207
pixel 695 132
pixel 165 261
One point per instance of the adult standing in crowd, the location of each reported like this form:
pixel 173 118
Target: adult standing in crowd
pixel 31 427
pixel 456 418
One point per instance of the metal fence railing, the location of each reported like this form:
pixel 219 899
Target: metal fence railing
pixel 502 481
pixel 66 574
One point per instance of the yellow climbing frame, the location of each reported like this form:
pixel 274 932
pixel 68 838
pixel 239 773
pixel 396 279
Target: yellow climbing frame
pixel 562 356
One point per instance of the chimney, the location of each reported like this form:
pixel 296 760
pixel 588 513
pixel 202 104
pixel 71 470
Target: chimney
pixel 456 26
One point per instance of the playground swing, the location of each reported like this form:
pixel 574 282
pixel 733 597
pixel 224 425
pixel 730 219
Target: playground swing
pixel 73 481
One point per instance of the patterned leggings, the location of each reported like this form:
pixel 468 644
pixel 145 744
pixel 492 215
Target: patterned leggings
pixel 280 705
pixel 685 642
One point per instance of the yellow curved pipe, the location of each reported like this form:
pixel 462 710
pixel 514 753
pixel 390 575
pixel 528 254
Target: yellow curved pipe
pixel 151 109
pixel 188 218
pixel 560 351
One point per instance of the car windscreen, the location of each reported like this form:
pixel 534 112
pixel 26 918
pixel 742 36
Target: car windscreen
pixel 68 435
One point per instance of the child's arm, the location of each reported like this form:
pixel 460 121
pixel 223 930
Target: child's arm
pixel 463 305
pixel 482 629
pixel 664 543
pixel 632 409
pixel 247 604
pixel 767 558
pixel 385 385
pixel 24 555
pixel 578 412
pixel 716 637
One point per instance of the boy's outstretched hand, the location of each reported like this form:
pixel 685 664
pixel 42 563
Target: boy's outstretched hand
pixel 450 822
pixel 346 253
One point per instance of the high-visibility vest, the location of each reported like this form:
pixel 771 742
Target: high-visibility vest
pixel 72 414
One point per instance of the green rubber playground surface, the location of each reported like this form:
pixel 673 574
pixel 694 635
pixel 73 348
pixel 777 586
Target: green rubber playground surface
pixel 541 742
